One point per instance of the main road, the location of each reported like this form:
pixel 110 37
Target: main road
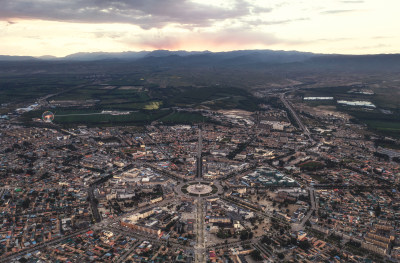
pixel 294 114
pixel 300 225
pixel 200 248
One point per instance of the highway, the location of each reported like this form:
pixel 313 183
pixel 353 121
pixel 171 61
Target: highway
pixel 294 114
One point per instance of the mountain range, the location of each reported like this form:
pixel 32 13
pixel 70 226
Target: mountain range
pixel 242 59
pixel 260 55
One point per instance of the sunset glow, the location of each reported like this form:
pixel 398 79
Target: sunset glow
pixel 60 28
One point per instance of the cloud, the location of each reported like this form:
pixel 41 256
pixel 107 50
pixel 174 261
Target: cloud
pixel 352 2
pixel 259 22
pixel 144 13
pixel 335 39
pixel 107 34
pixel 381 37
pixel 226 39
pixel 333 12
pixel 377 46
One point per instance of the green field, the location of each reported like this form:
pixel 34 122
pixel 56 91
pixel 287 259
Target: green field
pixel 134 118
pixel 106 96
pixel 384 126
pixel 213 97
pixel 146 104
pixel 28 88
pixel 154 105
pixel 145 100
pixel 153 98
pixel 91 117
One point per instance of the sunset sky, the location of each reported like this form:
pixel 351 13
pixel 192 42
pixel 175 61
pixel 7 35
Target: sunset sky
pixel 62 27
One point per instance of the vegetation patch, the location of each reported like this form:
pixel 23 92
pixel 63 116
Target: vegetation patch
pixel 312 166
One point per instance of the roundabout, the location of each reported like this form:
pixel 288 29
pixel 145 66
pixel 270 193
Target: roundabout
pixel 199 189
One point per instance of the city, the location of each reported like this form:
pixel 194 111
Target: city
pixel 199 131
pixel 256 186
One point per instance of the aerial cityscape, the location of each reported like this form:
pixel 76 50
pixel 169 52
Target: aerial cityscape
pixel 125 144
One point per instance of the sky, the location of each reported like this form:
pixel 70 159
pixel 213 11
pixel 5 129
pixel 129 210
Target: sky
pixel 62 27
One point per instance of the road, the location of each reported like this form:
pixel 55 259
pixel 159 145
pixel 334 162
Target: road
pixel 251 167
pixel 294 114
pixel 129 252
pixel 165 172
pixel 200 248
pixel 300 226
pixel 159 147
pixel 199 160
pixel 93 205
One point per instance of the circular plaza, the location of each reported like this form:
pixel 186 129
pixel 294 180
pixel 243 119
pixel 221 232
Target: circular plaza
pixel 199 189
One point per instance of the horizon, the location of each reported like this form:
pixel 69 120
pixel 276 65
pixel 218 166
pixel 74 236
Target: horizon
pixel 53 28
pixel 189 51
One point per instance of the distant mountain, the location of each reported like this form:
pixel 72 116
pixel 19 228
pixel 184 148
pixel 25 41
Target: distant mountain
pixel 16 58
pixel 381 62
pixel 181 53
pixel 241 59
pixel 93 56
pixel 241 56
pixel 129 55
pixel 227 59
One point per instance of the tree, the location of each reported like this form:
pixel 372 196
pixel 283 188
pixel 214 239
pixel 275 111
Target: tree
pixel 256 255
pixel 266 240
pixel 281 256
pixel 25 203
pixel 304 244
pixel 244 235
pixel 378 210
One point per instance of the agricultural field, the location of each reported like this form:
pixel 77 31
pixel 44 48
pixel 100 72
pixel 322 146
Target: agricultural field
pixel 14 89
pixel 384 119
pixel 98 119
pixel 81 99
